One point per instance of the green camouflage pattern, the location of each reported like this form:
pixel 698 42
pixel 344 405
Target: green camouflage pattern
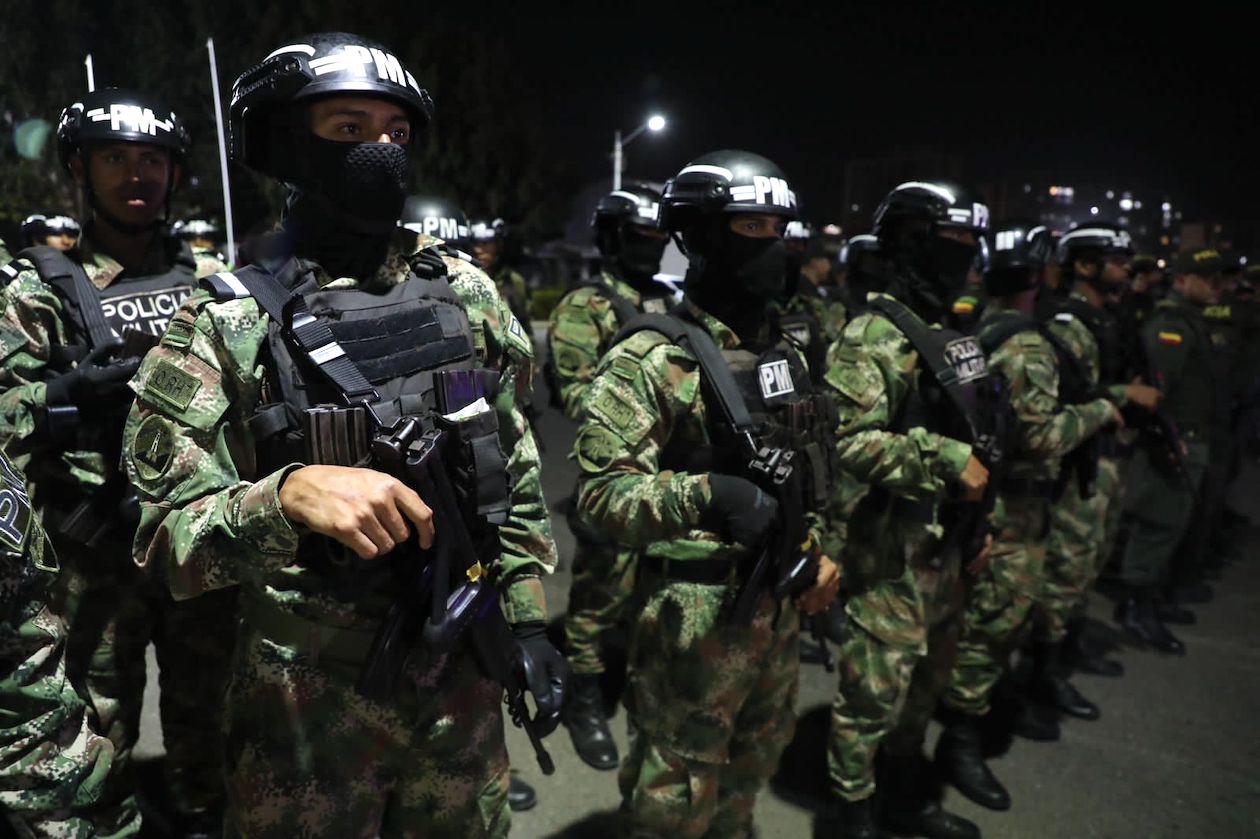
pixel 1074 549
pixel 308 756
pixel 53 765
pixel 208 523
pixel 710 709
pixel 513 290
pixel 830 314
pixel 581 327
pixel 600 599
pixel 891 586
pixel 32 321
pixel 710 703
pixel 1001 599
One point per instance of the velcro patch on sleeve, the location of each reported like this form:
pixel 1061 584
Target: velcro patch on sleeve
pixel 171 385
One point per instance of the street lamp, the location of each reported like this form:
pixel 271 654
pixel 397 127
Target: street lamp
pixel 656 122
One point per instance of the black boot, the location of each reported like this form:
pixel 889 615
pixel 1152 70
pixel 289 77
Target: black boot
pixel 848 820
pixel 584 715
pixel 909 806
pixel 1169 612
pixel 960 761
pixel 521 796
pixel 1137 616
pixel 1032 722
pixel 1080 655
pixel 1049 683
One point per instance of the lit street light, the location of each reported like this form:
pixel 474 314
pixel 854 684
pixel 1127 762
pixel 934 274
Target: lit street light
pixel 656 122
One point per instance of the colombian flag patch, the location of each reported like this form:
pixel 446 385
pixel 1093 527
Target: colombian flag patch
pixel 1170 339
pixel 964 307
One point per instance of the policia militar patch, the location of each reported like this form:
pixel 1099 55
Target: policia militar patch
pixel 172 385
pixel 154 447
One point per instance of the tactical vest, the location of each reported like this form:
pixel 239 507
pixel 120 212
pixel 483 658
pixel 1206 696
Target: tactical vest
pixel 804 330
pixel 343 364
pixel 141 304
pixel 774 405
pixel 1075 388
pixel 1112 358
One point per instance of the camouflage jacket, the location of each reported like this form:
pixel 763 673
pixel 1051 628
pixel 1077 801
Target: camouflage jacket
pixel 646 398
pixel 513 289
pixel 1044 430
pixel 209 524
pixel 873 371
pixel 51 764
pixel 33 320
pixel 830 314
pixel 581 328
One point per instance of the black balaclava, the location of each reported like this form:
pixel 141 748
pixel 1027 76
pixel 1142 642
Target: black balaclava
pixel 638 257
pixel 734 277
pixel 345 201
pixel 928 270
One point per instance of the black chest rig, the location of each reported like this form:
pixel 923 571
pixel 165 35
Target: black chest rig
pixel 348 368
pixel 1075 388
pixel 957 397
pixel 135 310
pixel 1114 358
pixel 804 330
pixel 765 418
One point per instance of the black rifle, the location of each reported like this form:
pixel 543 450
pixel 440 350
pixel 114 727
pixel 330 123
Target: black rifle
pixel 416 458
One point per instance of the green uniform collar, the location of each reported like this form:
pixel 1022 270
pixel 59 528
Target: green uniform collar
pixel 622 287
pixel 722 335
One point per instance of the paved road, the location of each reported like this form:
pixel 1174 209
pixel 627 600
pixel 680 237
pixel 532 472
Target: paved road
pixel 1176 753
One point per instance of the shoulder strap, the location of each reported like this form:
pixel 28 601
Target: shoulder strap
pixel 715 372
pixel 311 337
pixel 926 344
pixel 998 332
pixel 1067 359
pixel 69 279
pixel 622 308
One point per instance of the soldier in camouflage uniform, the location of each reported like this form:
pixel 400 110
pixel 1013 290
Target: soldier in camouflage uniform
pixel 201 235
pixel 711 695
pixel 487 245
pixel 52 765
pixel 55 231
pixel 1094 260
pixel 72 330
pixel 240 490
pixel 627 230
pixel 901 465
pixel 1001 598
pixel 812 315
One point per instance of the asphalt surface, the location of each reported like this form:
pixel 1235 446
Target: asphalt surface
pixel 1176 753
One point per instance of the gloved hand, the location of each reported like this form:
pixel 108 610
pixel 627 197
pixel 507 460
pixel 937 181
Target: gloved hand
pixel 428 264
pixel 95 378
pixel 546 673
pixel 739 510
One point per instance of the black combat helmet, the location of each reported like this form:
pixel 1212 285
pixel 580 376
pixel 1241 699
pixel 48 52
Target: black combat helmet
pixel 1093 243
pixel 1020 252
pixel 929 268
pixel 724 182
pixel 38 227
pixel 114 115
pixel 430 215
pixel 314 66
pixel 487 230
pixel 862 262
pixel 627 222
pixel 195 228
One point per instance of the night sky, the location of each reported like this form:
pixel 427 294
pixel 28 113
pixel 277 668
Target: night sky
pixel 1168 102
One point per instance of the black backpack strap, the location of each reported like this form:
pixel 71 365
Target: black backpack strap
pixel 995 334
pixel 622 308
pixel 926 343
pixel 714 370
pixel 8 273
pixel 69 279
pixel 308 335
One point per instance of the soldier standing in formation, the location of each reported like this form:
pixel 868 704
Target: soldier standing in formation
pixel 630 240
pixel 72 331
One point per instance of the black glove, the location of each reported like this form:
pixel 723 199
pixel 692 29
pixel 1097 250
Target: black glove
pixel 739 511
pixel 546 673
pixel 428 264
pixel 94 379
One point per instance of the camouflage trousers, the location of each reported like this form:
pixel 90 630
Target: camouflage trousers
pixel 599 601
pixel 52 765
pixel 1000 603
pixel 113 611
pixel 308 756
pixel 1075 550
pixel 710 707
pixel 894 664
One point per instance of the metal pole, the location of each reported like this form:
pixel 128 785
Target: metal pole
pixel 616 160
pixel 223 166
pixel 87 62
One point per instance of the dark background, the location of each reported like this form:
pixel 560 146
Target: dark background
pixel 529 94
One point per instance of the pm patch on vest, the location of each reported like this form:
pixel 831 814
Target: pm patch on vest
pixel 967 359
pixel 774 377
